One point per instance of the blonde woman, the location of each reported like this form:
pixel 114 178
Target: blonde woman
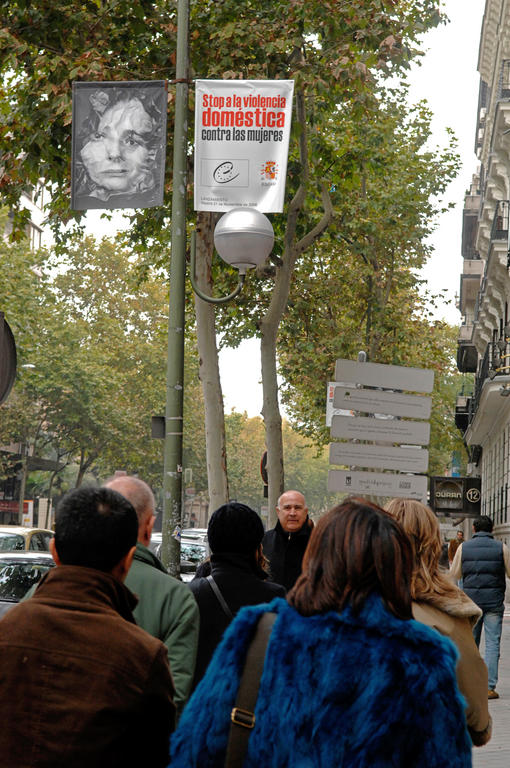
pixel 440 604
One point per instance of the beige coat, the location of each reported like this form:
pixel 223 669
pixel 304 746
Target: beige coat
pixel 455 618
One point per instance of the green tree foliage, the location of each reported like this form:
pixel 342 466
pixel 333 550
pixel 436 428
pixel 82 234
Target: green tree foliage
pixel 330 48
pixel 95 341
pixel 307 471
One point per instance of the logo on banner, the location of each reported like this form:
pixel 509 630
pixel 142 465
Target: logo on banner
pixel 269 171
pixel 225 172
pixel 232 173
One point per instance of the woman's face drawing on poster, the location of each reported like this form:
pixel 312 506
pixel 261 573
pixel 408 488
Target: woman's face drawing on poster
pixel 117 153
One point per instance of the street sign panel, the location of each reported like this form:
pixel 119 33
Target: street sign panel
pixel 379 456
pixel 330 410
pixel 381 430
pixel 377 401
pixel 378 484
pixel 386 376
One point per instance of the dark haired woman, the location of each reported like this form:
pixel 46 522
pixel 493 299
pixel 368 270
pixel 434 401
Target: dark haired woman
pixel 349 680
pixel 235 535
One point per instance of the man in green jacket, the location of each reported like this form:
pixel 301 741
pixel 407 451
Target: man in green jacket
pixel 167 608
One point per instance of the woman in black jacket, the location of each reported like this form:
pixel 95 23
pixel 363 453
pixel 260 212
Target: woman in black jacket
pixel 237 577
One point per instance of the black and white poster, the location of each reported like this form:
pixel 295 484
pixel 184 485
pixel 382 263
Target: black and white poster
pixel 119 144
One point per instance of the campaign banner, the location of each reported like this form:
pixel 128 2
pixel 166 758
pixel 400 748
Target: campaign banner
pixel 242 130
pixel 119 144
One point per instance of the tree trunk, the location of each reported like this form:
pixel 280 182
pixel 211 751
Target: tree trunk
pixel 209 370
pixel 271 320
pixel 271 408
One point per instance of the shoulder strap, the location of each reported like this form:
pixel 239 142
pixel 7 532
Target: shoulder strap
pixel 242 716
pixel 219 597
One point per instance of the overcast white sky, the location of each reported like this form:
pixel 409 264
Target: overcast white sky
pixel 448 80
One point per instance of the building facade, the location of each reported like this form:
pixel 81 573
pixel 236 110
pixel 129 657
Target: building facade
pixel 483 411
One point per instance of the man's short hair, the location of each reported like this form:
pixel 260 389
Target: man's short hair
pixel 483 523
pixel 137 492
pixel 94 528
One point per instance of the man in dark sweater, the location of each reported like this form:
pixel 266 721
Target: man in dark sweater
pixel 482 563
pixel 285 544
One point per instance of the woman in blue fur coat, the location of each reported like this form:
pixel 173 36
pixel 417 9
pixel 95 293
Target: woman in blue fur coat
pixel 350 679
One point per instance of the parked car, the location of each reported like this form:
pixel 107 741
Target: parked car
pixel 193 552
pixel 19 572
pixel 194 533
pixel 16 537
pixel 194 549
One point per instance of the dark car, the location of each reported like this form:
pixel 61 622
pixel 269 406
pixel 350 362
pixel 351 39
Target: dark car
pixel 19 572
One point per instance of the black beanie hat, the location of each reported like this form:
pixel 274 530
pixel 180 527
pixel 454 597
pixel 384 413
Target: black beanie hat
pixel 235 527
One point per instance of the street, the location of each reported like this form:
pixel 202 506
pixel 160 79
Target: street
pixel 496 754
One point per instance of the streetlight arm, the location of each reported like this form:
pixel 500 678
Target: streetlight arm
pixel 201 294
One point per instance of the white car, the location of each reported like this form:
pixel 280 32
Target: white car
pixel 19 572
pixel 194 549
pixel 18 538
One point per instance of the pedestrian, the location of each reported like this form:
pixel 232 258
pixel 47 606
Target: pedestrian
pixel 349 679
pixel 285 544
pixel 82 684
pixel 454 544
pixel 482 563
pixel 440 604
pixel 166 608
pixel 237 576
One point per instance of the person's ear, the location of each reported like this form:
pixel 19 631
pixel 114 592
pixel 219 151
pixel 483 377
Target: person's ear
pixel 120 571
pixel 147 533
pixel 54 553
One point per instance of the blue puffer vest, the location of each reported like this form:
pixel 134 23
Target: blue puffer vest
pixel 483 571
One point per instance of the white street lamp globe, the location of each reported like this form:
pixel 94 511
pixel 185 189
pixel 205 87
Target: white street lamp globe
pixel 244 238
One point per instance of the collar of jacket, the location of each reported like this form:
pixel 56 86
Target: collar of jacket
pixel 305 530
pixel 144 555
pixel 79 588
pixel 239 560
pixel 377 618
pixel 483 533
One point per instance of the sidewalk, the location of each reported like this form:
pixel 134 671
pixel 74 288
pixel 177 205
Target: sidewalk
pixel 496 754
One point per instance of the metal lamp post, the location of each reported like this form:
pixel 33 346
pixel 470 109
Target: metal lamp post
pixel 244 239
pixel 239 227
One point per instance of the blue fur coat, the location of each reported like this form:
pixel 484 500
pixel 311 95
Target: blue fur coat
pixel 337 691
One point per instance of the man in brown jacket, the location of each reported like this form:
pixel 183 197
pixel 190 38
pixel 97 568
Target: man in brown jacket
pixel 83 685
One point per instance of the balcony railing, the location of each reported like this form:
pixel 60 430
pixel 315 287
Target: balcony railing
pixel 504 80
pixel 495 362
pixel 499 229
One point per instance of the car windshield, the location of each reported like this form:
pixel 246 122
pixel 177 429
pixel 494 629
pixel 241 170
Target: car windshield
pixel 11 541
pixel 193 551
pixel 17 578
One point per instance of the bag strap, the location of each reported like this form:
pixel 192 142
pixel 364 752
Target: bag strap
pixel 220 597
pixel 242 716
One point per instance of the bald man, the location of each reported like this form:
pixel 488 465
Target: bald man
pixel 285 544
pixel 167 608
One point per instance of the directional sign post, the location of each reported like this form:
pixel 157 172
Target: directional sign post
pixel 383 426
pixel 377 401
pixel 378 484
pixel 384 376
pixel 409 459
pixel 384 430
